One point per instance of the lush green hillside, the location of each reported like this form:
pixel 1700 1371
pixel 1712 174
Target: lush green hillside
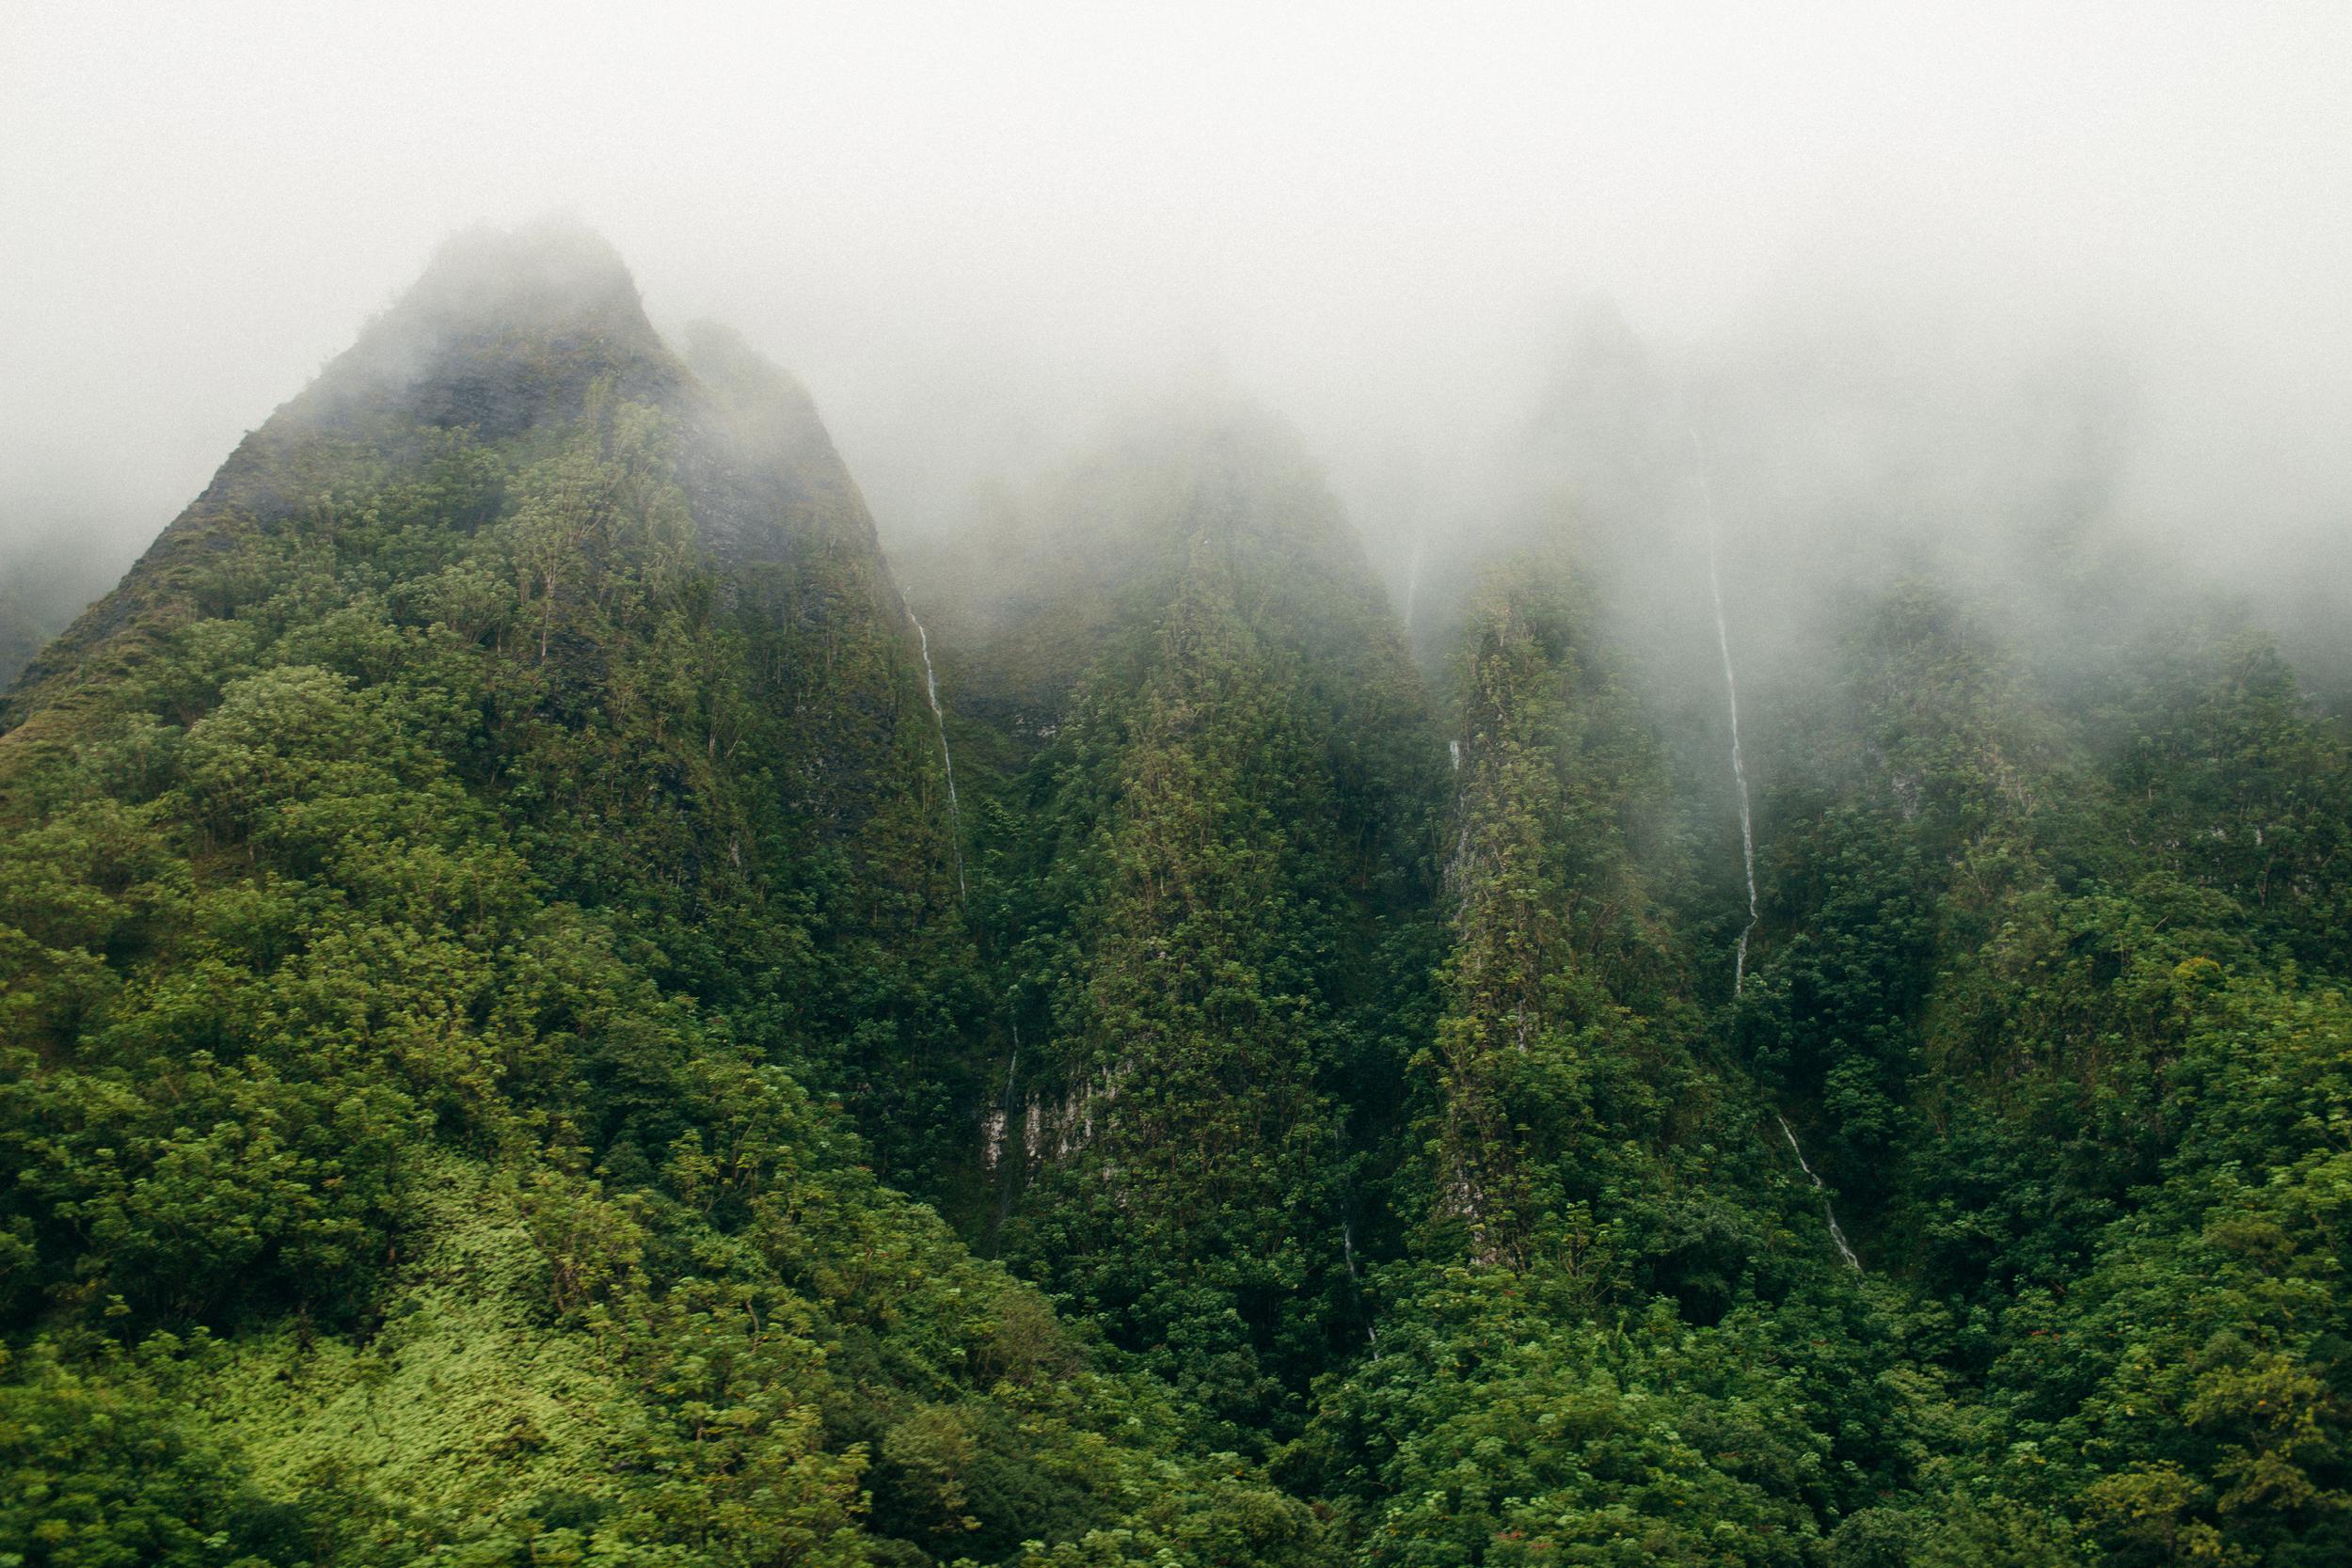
pixel 1204 771
pixel 2057 978
pixel 527 1035
pixel 463 891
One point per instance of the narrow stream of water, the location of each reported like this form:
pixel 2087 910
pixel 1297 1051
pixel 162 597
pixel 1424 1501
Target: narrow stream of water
pixel 1747 833
pixel 939 722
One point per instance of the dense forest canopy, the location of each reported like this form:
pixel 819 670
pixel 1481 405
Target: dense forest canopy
pixel 558 1008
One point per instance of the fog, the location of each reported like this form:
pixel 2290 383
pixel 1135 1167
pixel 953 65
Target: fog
pixel 1904 266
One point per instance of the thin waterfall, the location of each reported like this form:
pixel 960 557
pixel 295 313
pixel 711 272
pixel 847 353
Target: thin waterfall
pixel 1747 831
pixel 939 722
pixel 1000 1118
pixel 1837 1233
pixel 1738 757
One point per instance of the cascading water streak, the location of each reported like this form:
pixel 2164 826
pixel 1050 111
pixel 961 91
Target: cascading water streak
pixel 1837 1231
pixel 1738 757
pixel 1747 831
pixel 947 757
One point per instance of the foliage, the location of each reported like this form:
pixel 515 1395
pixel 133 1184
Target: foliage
pixel 483 965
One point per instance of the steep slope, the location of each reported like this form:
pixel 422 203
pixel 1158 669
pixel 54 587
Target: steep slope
pixel 2048 978
pixel 1201 870
pixel 423 471
pixel 490 939
pixel 451 888
pixel 2056 967
pixel 1619 1333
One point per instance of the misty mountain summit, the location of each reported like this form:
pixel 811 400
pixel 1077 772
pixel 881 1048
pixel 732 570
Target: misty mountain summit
pixel 545 1018
pixel 505 330
pixel 508 334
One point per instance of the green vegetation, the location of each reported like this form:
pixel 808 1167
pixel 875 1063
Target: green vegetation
pixel 1202 889
pixel 498 1065
pixel 454 923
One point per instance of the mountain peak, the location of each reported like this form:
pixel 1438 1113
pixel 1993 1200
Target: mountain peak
pixel 507 333
pixel 551 273
pixel 505 327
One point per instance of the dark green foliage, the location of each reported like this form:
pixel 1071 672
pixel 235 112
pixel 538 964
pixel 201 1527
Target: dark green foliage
pixel 1542 1074
pixel 2036 973
pixel 535 806
pixel 97 1471
pixel 482 962
pixel 2235 788
pixel 1203 897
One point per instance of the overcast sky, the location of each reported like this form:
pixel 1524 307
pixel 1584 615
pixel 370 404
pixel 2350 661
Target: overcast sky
pixel 967 228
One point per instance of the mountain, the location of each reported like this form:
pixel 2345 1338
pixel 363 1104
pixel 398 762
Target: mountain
pixel 464 887
pixel 546 1018
pixel 1204 776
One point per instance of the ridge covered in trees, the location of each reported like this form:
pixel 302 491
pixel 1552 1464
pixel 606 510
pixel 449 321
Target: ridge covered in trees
pixel 508 1056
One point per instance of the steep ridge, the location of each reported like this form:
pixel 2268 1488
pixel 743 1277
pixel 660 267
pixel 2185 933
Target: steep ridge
pixel 2024 1006
pixel 463 890
pixel 1747 834
pixel 1606 1252
pixel 1201 766
pixel 489 940
pixel 494 338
